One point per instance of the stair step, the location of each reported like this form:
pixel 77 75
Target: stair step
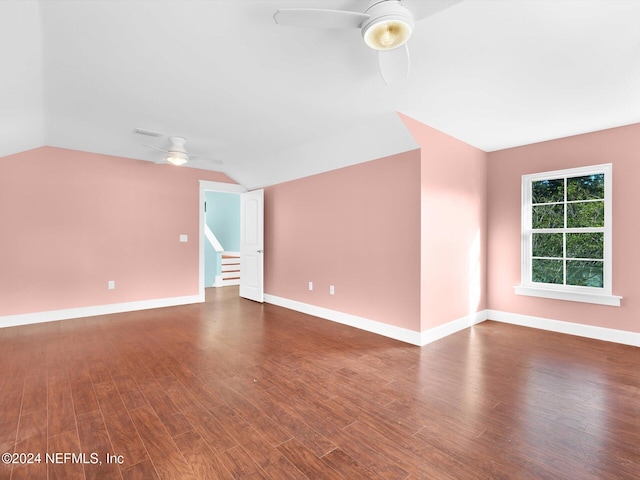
pixel 230 268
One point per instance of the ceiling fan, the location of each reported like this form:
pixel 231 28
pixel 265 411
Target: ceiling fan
pixel 386 26
pixel 177 154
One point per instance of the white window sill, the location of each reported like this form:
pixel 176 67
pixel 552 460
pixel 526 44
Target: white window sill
pixel 600 299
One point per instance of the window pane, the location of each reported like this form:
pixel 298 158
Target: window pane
pixel 585 274
pixel 585 188
pixel 547 245
pixel 547 216
pixel 547 191
pixel 585 214
pixel 546 271
pixel 585 245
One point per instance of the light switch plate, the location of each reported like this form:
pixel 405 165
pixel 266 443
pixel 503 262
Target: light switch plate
pixel 184 238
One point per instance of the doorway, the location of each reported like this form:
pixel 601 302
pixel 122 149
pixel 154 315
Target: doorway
pixel 222 239
pixel 213 187
pixel 251 238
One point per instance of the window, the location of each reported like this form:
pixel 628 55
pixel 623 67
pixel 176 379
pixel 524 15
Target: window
pixel 566 235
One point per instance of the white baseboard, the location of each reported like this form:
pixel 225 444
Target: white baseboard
pixel 373 326
pixel 578 329
pixel 446 329
pixel 427 336
pixel 54 315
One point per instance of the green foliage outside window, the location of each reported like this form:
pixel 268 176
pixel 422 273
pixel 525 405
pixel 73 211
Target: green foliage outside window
pixel 548 216
pixel 590 187
pixel 547 244
pixel 585 273
pixel 548 191
pixel 568 257
pixel 585 245
pixel 585 214
pixel 547 271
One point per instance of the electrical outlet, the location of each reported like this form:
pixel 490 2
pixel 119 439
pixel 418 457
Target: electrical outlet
pixel 332 290
pixel 184 238
pixel 310 285
pixel 111 284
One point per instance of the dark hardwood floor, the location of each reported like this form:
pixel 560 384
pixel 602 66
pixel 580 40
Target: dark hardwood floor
pixel 235 389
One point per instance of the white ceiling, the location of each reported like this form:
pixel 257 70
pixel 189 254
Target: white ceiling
pixel 276 102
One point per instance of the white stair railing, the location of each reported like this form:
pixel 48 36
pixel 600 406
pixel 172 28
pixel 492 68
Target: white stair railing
pixel 217 246
pixel 212 239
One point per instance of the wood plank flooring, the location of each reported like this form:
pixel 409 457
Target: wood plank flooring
pixel 231 389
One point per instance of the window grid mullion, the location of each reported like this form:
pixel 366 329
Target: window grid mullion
pixel 564 236
pixel 589 200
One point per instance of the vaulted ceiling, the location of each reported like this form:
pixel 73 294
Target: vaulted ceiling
pixel 276 102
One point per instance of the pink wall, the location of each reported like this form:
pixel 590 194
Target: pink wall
pixel 619 146
pixel 71 221
pixel 357 228
pixel 453 226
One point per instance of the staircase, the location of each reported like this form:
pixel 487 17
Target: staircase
pixel 230 269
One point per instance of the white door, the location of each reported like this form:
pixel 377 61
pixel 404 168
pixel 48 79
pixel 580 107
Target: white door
pixel 251 245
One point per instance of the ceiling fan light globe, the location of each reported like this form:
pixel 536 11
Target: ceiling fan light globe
pixel 177 158
pixel 387 34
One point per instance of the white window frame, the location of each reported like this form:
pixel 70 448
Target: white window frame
pixel 602 296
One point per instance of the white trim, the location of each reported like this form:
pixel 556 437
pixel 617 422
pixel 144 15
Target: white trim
pixel 373 326
pixel 221 187
pixel 600 299
pixel 578 329
pixel 397 333
pixel 602 296
pixel 208 186
pixel 54 315
pixel 449 328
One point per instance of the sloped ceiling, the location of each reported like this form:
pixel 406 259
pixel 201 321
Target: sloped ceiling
pixel 21 81
pixel 276 103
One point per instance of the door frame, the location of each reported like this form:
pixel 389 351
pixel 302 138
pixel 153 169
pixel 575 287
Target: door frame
pixel 209 186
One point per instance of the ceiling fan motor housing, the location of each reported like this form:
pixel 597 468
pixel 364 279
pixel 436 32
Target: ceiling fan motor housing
pixel 177 144
pixel 389 25
pixel 177 154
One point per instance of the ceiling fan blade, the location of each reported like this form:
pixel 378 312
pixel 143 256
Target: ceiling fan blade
pixel 205 160
pixel 156 148
pixel 394 64
pixel 319 18
pixel 421 9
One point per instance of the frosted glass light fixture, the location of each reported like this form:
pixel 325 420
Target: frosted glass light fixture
pixel 177 158
pixel 387 34
pixel 389 25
